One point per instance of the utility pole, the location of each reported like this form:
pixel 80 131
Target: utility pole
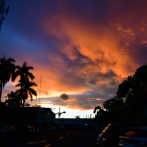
pixel 40 87
pixel 59 113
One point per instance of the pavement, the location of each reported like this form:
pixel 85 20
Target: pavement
pixel 59 138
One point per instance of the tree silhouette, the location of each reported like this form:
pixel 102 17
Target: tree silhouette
pixel 136 99
pixel 3 11
pixel 13 99
pixel 26 89
pixel 77 117
pixel 23 72
pixel 7 69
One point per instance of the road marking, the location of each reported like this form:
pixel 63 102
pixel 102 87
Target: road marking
pixel 61 137
pixel 35 142
pixel 47 145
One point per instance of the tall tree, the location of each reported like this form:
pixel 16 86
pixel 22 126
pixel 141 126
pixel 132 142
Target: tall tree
pixel 137 98
pixel 24 82
pixel 26 90
pixel 11 99
pixel 7 69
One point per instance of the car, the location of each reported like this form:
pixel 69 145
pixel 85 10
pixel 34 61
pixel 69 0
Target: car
pixel 22 129
pixel 59 127
pixel 113 131
pixel 48 129
pixel 137 137
pixel 5 130
pixel 100 137
pixel 32 129
pixel 36 129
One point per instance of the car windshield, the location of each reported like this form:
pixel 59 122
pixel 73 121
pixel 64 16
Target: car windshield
pixel 2 126
pixel 114 128
pixel 136 133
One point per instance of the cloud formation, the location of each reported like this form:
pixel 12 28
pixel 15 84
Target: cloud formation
pixel 64 96
pixel 81 49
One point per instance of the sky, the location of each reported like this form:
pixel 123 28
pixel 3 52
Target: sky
pixel 81 50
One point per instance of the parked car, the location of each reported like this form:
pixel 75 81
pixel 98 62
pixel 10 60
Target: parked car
pixel 32 129
pixel 112 133
pixel 59 128
pixel 36 130
pixel 100 138
pixel 137 137
pixel 22 129
pixel 5 130
pixel 48 128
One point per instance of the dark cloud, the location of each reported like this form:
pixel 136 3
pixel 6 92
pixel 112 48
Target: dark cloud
pixel 98 78
pixel 64 96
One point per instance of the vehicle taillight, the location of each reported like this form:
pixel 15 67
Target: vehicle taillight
pixel 110 135
pixel 130 141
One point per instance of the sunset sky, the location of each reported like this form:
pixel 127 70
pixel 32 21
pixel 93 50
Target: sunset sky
pixel 82 48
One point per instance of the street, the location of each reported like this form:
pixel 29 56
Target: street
pixel 59 138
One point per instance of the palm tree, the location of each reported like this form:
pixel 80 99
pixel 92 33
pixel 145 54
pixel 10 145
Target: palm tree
pixel 25 75
pixel 26 89
pixel 12 99
pixel 7 99
pixel 7 69
pixel 23 72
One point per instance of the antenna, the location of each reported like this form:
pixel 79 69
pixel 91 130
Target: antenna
pixel 40 87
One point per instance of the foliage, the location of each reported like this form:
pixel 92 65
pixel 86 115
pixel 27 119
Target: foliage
pixel 141 118
pixel 130 103
pixel 77 117
pixel 7 72
pixel 127 118
pixel 24 82
pixel 7 69
pixel 26 89
pixel 3 11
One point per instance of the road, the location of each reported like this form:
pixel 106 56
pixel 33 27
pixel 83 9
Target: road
pixel 60 138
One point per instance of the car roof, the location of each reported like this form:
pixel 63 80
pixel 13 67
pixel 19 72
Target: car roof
pixel 140 128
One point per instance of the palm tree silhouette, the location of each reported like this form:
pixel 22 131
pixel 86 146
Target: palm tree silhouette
pixel 24 82
pixel 7 69
pixel 26 89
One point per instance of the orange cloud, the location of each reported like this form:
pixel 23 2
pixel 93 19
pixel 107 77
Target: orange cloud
pixel 85 48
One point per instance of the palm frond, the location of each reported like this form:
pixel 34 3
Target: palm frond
pixel 33 91
pixel 10 60
pixel 15 75
pixel 30 75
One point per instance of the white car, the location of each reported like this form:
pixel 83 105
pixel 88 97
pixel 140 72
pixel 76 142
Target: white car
pixel 137 137
pixel 48 129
